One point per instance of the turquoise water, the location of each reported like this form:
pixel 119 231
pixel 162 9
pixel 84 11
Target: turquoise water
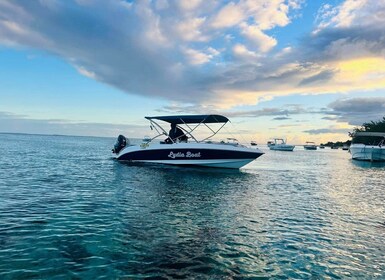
pixel 67 210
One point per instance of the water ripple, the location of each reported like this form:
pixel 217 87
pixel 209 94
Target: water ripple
pixel 69 211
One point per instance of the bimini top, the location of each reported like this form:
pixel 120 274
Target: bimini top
pixel 191 119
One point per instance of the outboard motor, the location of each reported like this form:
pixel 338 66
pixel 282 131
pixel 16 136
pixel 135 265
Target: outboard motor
pixel 120 143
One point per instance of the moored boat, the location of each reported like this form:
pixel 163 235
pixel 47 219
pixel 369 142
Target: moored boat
pixel 368 146
pixel 279 144
pixel 310 146
pixel 186 148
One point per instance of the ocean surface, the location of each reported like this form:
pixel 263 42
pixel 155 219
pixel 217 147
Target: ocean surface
pixel 69 211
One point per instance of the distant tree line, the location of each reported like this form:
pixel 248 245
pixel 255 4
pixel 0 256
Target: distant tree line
pixel 372 126
pixel 336 144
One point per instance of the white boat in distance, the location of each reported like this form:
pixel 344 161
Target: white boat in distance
pixel 368 146
pixel 278 144
pixel 310 146
pixel 345 147
pixel 180 151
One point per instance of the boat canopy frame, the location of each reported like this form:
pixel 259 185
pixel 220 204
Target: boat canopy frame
pixel 198 120
pixel 368 133
pixel 277 140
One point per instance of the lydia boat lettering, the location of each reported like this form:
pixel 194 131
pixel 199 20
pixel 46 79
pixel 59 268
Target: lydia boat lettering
pixel 182 155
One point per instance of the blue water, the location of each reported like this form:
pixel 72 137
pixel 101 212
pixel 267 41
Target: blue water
pixel 68 211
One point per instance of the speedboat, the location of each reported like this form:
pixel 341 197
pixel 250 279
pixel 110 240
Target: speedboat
pixel 345 147
pixel 369 146
pixel 189 149
pixel 253 143
pixel 278 144
pixel 310 146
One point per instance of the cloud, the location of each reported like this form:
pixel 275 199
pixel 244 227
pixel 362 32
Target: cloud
pixel 351 13
pixel 281 112
pixel 190 29
pixel 195 57
pixel 189 5
pixel 329 118
pixel 23 124
pixel 322 76
pixel 181 51
pixel 350 30
pixel 85 72
pixel 288 125
pixel 179 108
pixel 281 118
pixel 274 111
pixel 353 111
pixel 356 111
pixel 255 35
pixel 327 131
pixel 228 16
pixel 242 52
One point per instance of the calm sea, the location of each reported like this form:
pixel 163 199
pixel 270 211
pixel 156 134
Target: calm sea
pixel 69 211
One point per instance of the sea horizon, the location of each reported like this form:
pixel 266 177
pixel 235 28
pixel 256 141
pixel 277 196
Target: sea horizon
pixel 134 138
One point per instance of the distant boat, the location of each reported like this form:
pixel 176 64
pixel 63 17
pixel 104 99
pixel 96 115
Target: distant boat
pixel 334 147
pixel 368 146
pixel 278 144
pixel 345 147
pixel 253 143
pixel 310 146
pixel 322 147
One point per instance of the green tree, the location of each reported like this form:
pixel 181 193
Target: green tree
pixel 373 126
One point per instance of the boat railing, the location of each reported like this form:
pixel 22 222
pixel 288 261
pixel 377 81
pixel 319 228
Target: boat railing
pixel 189 128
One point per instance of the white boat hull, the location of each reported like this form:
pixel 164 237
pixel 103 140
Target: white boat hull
pixel 367 153
pixel 279 147
pixel 310 147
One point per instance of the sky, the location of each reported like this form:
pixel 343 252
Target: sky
pixel 304 70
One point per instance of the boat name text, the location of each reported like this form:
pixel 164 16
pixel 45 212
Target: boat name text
pixel 184 155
